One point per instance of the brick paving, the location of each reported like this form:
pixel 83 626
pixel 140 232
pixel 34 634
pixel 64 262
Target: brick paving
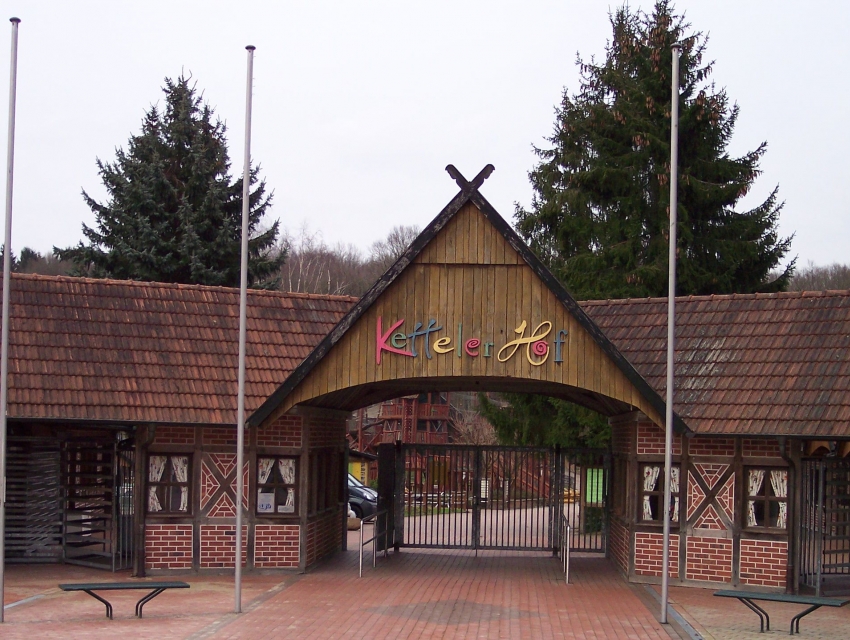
pixel 453 595
pixel 727 619
pixel 417 593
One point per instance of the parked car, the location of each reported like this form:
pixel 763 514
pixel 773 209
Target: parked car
pixel 362 500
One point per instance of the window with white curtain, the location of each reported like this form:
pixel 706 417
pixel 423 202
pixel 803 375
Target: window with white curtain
pixel 168 484
pixel 767 498
pixel 651 503
pixel 277 485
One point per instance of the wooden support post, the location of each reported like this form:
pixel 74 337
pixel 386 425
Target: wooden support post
pixel 386 486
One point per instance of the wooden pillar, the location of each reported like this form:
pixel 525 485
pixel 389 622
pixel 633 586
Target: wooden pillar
pixel 143 436
pixel 740 505
pixel 303 488
pixel 386 489
pixel 682 526
pixel 793 454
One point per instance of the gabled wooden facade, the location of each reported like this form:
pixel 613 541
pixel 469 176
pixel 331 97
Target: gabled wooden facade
pixel 150 368
pixel 468 307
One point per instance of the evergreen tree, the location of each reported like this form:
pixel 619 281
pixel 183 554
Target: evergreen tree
pixel 541 421
pixel 600 217
pixel 173 213
pixel 600 213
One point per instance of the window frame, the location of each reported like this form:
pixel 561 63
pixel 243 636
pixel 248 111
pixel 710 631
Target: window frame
pixel 659 493
pixel 275 483
pixel 765 497
pixel 166 497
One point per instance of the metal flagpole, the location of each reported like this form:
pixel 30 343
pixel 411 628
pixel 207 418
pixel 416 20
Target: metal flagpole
pixel 671 327
pixel 4 347
pixel 243 306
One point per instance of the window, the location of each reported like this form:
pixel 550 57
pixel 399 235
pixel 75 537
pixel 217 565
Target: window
pixel 168 484
pixel 767 498
pixel 277 485
pixel 652 493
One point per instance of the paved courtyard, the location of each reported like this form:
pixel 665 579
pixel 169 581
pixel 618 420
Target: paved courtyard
pixel 430 594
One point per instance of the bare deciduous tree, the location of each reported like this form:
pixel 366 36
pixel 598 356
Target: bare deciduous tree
pixel 473 428
pixel 814 278
pixel 314 267
pixel 32 261
pixel 385 252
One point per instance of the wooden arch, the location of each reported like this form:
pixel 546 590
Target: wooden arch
pixel 467 307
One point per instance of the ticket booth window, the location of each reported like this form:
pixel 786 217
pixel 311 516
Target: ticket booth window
pixel 277 485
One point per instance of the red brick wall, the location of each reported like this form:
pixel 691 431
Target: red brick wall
pixel 276 545
pixel 648 559
pixel 326 431
pixel 708 559
pixel 650 440
pixel 218 545
pixel 618 545
pixel 711 447
pixel 763 562
pixel 761 448
pixel 219 437
pixel 283 432
pixel 168 546
pixel 174 435
pixel 324 536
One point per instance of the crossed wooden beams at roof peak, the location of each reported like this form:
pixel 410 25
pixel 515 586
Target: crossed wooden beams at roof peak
pixel 470 185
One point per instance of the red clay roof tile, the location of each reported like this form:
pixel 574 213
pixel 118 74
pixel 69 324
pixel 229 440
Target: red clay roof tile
pixel 107 350
pixel 763 364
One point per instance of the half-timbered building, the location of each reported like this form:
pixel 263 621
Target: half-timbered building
pixel 122 409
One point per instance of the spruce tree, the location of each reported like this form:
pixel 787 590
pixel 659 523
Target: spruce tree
pixel 173 212
pixel 599 215
pixel 600 212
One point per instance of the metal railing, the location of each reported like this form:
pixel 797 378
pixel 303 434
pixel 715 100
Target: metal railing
pixel 565 547
pixel 373 520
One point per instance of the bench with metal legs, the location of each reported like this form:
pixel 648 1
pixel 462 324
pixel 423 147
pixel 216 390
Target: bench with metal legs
pixel 155 587
pixel 747 597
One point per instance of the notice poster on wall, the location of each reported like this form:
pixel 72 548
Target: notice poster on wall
pixel 265 501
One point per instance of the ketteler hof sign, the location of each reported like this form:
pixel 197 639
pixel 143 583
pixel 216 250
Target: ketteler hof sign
pixel 436 341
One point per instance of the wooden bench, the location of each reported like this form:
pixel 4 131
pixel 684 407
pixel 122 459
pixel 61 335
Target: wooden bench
pixel 814 603
pixel 155 587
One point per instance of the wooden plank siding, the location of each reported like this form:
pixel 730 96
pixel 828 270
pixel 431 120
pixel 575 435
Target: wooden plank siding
pixel 448 282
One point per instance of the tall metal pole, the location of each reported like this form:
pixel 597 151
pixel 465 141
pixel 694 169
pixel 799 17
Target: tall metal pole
pixel 4 341
pixel 243 306
pixel 671 327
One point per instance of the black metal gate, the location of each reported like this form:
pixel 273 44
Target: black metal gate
pixel 488 497
pixel 825 530
pixel 34 500
pixel 98 483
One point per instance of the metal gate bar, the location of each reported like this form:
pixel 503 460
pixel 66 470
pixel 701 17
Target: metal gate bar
pixel 511 498
pixel 825 524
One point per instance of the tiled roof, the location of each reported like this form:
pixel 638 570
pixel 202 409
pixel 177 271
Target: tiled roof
pixel 109 350
pixel 761 364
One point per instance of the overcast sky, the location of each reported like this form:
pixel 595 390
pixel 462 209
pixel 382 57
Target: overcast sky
pixel 359 105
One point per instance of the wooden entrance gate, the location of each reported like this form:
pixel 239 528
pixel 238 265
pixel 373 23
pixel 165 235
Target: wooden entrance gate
pixel 488 497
